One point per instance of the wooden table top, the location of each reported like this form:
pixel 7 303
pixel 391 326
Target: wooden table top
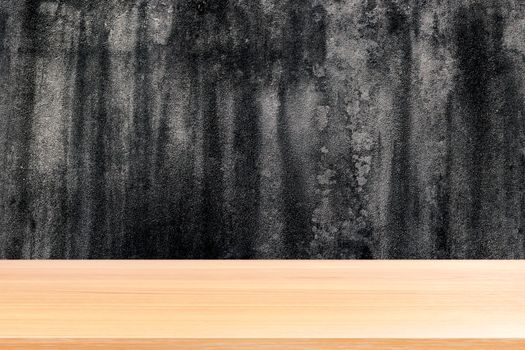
pixel 284 304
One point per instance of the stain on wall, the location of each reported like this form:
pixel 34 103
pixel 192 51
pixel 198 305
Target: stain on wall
pixel 262 129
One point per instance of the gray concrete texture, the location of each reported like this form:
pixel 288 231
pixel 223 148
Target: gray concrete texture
pixel 350 129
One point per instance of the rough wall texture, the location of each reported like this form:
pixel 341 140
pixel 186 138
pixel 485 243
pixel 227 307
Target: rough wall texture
pixel 262 129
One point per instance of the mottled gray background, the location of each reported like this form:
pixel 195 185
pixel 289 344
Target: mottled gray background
pixel 262 129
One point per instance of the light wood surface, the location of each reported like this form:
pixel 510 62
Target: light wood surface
pixel 284 302
pixel 261 344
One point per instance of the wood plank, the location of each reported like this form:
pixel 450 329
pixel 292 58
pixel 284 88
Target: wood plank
pixel 262 299
pixel 263 344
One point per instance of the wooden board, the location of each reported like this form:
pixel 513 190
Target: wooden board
pixel 261 344
pixel 295 304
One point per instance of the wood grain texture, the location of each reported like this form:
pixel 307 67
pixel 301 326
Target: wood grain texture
pixel 262 299
pixel 263 344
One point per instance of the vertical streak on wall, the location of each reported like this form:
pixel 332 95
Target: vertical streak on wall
pixel 168 211
pixel 100 241
pixel 175 148
pixel 49 141
pixel 296 229
pixel 5 88
pixel 402 209
pixel 473 63
pixel 213 224
pixel 270 217
pixel 197 154
pixel 140 244
pixel 488 109
pixel 247 62
pixel 442 226
pixel 77 143
pixel 246 146
pixel 509 105
pixel 431 114
pixel 22 226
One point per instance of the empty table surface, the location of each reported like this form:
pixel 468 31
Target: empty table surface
pixel 290 304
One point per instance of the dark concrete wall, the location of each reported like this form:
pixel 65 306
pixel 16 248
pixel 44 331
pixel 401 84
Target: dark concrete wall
pixel 262 129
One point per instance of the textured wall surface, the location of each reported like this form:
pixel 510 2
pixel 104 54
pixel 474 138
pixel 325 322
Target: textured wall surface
pixel 262 129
